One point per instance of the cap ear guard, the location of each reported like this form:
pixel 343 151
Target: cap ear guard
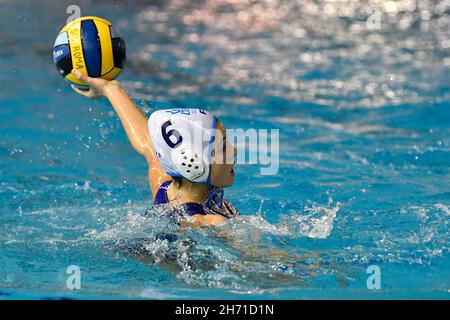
pixel 190 164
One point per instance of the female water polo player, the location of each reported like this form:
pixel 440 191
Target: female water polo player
pixel 189 159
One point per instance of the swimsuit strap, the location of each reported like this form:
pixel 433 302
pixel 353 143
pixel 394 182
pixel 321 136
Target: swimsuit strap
pixel 161 195
pixel 192 208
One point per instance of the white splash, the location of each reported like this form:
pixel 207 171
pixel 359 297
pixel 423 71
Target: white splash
pixel 317 223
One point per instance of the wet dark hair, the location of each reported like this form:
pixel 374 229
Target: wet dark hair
pixel 178 181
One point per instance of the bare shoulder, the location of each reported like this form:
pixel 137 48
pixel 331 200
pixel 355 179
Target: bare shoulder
pixel 156 175
pixel 204 220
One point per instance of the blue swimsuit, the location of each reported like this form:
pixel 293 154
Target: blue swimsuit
pixel 192 208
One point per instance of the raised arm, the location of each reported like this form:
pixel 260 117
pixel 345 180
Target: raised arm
pixel 133 120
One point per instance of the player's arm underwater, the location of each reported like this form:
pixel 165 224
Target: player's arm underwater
pixel 133 120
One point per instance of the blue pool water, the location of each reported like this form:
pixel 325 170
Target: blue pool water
pixel 364 173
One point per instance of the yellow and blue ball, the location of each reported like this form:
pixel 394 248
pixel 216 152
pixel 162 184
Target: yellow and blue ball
pixel 91 45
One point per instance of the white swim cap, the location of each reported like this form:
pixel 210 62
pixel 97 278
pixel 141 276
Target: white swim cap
pixel 182 139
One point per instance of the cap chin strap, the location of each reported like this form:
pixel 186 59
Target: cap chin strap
pixel 215 199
